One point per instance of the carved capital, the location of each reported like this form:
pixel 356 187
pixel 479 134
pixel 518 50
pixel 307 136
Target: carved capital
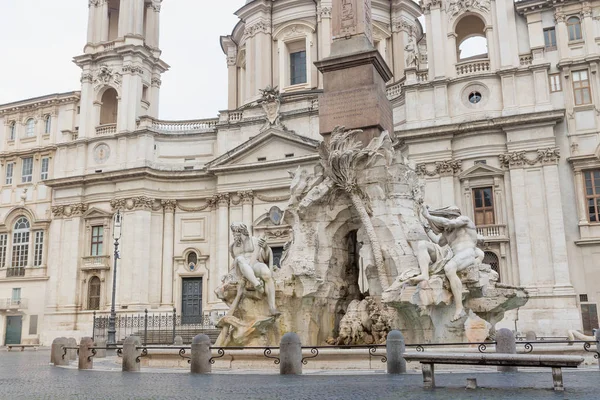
pixel 257 27
pixel 169 205
pixel 559 17
pixel 518 159
pixel 222 199
pixel 247 196
pixel 96 3
pixel 324 12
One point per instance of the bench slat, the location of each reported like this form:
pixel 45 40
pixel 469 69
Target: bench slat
pixel 497 359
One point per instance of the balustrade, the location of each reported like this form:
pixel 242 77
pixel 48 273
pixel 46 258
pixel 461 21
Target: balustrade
pixel 492 230
pixel 473 67
pixel 204 125
pixel 106 129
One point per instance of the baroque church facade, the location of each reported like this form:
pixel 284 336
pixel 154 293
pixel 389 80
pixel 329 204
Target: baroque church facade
pixel 509 135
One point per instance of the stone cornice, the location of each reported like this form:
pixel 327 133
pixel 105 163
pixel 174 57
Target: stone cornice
pixel 39 102
pixel 520 159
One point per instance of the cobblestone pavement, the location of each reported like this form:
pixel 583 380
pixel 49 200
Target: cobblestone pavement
pixel 28 375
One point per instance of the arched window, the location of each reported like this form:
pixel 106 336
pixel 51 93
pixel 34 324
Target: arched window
pixel 94 293
pixel 20 245
pixel 471 41
pixel 192 260
pixel 108 112
pixel 12 133
pixel 574 27
pixel 47 124
pixel 30 128
pixel 491 259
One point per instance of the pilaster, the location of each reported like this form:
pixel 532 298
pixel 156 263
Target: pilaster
pixel 168 246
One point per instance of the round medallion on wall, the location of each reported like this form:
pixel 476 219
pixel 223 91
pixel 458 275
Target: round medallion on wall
pixel 475 95
pixel 101 153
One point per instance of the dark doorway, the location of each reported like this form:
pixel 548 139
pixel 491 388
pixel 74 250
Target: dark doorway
pixel 191 301
pixel 13 330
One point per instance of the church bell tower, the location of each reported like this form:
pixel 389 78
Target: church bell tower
pixel 121 66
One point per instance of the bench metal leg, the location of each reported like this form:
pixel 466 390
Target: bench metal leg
pixel 557 378
pixel 428 375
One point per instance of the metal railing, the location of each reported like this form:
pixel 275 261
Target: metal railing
pixel 155 327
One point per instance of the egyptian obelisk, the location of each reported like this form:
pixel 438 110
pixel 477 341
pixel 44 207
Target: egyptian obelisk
pixel 354 75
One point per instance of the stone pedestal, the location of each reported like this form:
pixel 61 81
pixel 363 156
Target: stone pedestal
pixel 131 353
pixel 290 355
pixel 505 343
pixel 85 354
pixel 395 347
pixel 72 353
pixel 101 353
pixel 57 351
pixel 201 355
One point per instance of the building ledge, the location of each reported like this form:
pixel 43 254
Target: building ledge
pixel 588 242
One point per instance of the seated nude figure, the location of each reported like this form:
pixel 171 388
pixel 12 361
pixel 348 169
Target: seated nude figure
pixel 254 260
pixel 453 248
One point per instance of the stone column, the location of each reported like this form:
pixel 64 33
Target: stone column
pixel 505 343
pixel 247 214
pixel 124 18
pixel 57 351
pixel 222 259
pixel 324 15
pixel 562 35
pixel 213 278
pixel 232 83
pixel 438 39
pixel 452 54
pixel 92 26
pixel 104 23
pixel 201 355
pixel 521 226
pixel 395 348
pixel 138 21
pixel 85 362
pixel 491 43
pixel 155 11
pixel 290 354
pixel 168 244
pixel 588 30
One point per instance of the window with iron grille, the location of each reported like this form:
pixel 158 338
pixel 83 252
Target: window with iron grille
pixel 27 170
pixel 592 194
pixel 10 167
pixel 97 241
pixel 20 244
pixel 3 248
pixel 491 259
pixel 94 294
pixel 38 249
pixel 45 166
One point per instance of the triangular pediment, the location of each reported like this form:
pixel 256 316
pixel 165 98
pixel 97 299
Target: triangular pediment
pixel 97 213
pixel 271 146
pixel 481 170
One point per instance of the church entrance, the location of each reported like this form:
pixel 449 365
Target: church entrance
pixel 13 330
pixel 191 301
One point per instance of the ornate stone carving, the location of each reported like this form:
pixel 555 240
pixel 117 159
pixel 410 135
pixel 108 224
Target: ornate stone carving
pixel 133 69
pixel 519 158
pixel 560 17
pixel 104 75
pixel 222 199
pixel 271 105
pixel 427 5
pixel 271 199
pixel 135 203
pixel 96 3
pixel 412 58
pixel 446 167
pixel 455 7
pixel 156 82
pixel 101 153
pixel 324 12
pixel 156 5
pixel 168 205
pixel 69 210
pixel 365 322
pixel 246 197
pixel 87 77
pixel 258 27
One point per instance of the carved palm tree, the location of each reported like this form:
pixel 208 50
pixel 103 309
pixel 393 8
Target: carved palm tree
pixel 342 157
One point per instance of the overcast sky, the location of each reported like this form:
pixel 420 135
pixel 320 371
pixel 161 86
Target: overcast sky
pixel 40 37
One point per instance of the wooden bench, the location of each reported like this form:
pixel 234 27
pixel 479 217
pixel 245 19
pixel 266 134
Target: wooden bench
pixel 428 360
pixel 22 346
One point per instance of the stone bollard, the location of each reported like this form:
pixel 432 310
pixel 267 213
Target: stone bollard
pixel 178 341
pixel 530 336
pixel 131 353
pixel 598 344
pixel 505 343
pixel 395 348
pixel 56 354
pixel 201 355
pixel 101 353
pixel 72 353
pixel 290 354
pixel 85 354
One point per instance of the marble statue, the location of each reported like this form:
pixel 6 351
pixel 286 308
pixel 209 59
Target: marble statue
pixel 254 260
pixel 412 59
pixel 452 249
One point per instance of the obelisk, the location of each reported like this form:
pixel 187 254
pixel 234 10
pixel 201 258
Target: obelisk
pixel 354 75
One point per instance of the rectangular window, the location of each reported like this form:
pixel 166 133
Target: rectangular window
pixel 550 38
pixel 33 323
pixel 16 294
pixel 20 250
pixel 555 84
pixel 3 248
pixel 45 166
pixel 592 194
pixel 97 241
pixel 581 88
pixel 483 202
pixel 298 67
pixel 27 170
pixel 38 249
pixel 9 173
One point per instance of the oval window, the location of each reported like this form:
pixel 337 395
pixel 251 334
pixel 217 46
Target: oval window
pixel 475 97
